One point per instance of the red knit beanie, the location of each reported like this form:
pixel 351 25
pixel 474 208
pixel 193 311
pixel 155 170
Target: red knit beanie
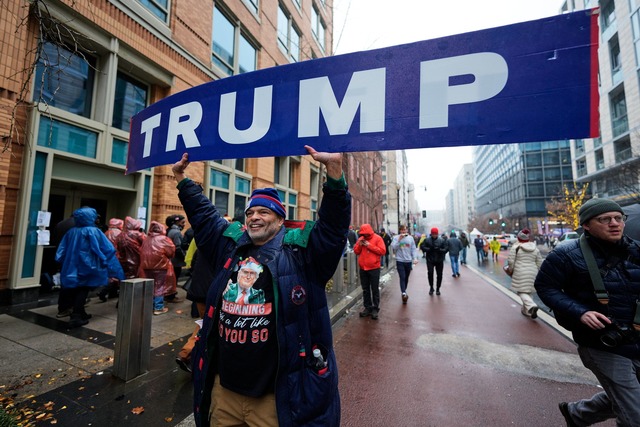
pixel 524 235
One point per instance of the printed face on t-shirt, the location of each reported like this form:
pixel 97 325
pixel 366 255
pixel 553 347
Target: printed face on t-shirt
pixel 247 277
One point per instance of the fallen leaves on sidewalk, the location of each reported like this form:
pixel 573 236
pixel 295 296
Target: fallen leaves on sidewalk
pixel 137 410
pixel 28 417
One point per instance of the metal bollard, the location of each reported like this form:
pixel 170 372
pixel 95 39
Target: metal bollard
pixel 338 277
pixel 133 329
pixel 352 268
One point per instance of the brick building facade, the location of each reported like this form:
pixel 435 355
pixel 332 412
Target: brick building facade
pixel 96 63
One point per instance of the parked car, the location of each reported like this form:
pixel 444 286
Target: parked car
pixel 512 238
pixel 570 235
pixel 504 241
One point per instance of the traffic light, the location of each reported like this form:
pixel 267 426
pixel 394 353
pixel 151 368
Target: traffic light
pixel 490 221
pixel 415 225
pixel 424 214
pixel 503 224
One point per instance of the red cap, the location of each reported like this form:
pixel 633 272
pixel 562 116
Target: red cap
pixel 434 230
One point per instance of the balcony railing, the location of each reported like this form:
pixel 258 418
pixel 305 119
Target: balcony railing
pixel 623 155
pixel 620 125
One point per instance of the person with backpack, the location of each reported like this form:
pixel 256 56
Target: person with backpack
pixel 592 284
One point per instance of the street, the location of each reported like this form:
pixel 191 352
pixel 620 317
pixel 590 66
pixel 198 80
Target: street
pixel 465 358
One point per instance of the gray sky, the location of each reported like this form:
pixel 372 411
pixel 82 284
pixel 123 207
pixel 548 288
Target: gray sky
pixel 371 24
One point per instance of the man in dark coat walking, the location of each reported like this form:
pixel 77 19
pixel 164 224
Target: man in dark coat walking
pixel 435 249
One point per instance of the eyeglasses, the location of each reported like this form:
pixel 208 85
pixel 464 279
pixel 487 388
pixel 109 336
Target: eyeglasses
pixel 607 219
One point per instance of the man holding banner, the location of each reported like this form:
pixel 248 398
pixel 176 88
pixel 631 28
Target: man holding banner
pixel 253 362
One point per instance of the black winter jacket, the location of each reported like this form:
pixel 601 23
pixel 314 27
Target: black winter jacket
pixel 563 283
pixel 301 262
pixel 435 249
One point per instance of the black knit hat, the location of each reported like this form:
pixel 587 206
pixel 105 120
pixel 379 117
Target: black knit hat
pixel 594 207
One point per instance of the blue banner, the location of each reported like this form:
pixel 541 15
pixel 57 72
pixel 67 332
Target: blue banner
pixel 533 81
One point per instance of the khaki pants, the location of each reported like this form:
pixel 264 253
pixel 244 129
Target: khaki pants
pixel 232 409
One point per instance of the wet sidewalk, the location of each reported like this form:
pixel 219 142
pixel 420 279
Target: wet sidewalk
pixel 54 374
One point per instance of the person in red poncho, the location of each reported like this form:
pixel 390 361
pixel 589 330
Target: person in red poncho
pixel 112 233
pixel 128 244
pixel 114 230
pixel 369 248
pixel 155 263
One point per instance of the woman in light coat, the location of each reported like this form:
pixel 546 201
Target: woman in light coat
pixel 525 259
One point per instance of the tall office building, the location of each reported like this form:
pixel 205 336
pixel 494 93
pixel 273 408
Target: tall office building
pixel 95 65
pixel 514 181
pixel 463 197
pixel 610 163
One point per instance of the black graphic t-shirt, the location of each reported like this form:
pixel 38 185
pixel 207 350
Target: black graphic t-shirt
pixel 247 359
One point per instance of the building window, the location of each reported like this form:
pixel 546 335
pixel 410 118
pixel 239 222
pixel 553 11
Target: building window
pixel 317 28
pixel 534 175
pixel 119 151
pixel 130 99
pixel 242 193
pixel 253 5
pixel 616 60
pixel 285 174
pixel 314 183
pixel 607 14
pixel 635 29
pixel 277 169
pixel 622 150
pixel 599 159
pixel 65 80
pixel 247 55
pixel 226 182
pixel 160 8
pixel 551 157
pixel 288 37
pixel 225 38
pixel 552 174
pixel 579 147
pixel 67 137
pixel 535 190
pixel 533 159
pixel 290 201
pixel 581 167
pixel 619 123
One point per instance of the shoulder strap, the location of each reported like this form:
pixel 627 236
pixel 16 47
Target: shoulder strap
pixel 515 257
pixel 594 272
